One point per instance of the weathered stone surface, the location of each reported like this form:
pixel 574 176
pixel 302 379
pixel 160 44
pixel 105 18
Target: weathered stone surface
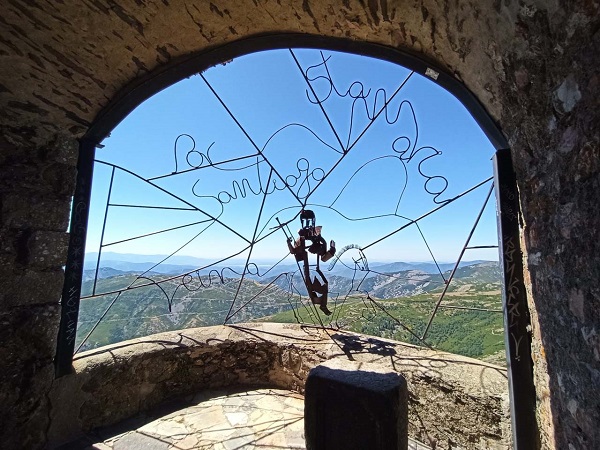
pixel 47 249
pixel 30 287
pixel 452 400
pixel 533 65
pixel 30 179
pixel 43 171
pixel 34 196
pixel 141 441
pixel 556 188
pixel 232 418
pixel 58 78
pixel 37 213
pixel 28 336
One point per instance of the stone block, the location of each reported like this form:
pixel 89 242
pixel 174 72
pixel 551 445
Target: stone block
pixel 48 249
pixel 8 249
pixel 351 405
pixel 26 417
pixel 28 344
pixel 58 179
pixel 28 334
pixel 46 171
pixel 63 149
pixel 37 212
pixel 28 287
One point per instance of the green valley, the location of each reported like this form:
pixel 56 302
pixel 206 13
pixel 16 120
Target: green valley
pixel 469 332
pixel 389 305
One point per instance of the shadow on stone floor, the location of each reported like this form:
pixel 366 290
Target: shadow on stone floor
pixel 226 419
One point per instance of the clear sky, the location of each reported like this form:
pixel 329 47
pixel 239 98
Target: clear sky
pixel 422 150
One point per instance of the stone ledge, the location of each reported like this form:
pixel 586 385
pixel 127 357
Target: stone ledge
pixel 453 400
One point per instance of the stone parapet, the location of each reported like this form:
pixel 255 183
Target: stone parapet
pixel 453 400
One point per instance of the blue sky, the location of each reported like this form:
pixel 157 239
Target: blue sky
pixel 289 139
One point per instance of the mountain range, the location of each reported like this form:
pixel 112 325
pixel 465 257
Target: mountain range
pixel 137 264
pixel 169 302
pixel 381 282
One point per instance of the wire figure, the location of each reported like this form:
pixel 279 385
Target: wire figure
pixel 317 290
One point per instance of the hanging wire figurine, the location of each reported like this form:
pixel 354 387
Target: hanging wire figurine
pixel 317 290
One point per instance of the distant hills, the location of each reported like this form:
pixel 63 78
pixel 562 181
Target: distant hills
pixel 172 305
pixel 409 290
pixel 385 283
pixel 134 263
pixel 110 257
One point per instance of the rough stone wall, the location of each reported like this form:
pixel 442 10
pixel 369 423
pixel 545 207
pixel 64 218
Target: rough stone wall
pixel 35 194
pixel 454 401
pixel 62 63
pixel 532 63
pixel 552 120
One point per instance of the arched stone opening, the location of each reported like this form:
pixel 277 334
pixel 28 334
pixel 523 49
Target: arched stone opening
pixel 533 67
pixel 131 98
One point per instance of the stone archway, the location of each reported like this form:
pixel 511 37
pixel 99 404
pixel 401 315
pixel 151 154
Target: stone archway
pixel 528 64
pixel 175 71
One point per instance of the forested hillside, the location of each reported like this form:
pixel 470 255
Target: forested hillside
pixel 195 303
pixel 478 333
pixel 395 305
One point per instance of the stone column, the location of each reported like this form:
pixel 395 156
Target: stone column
pixel 35 194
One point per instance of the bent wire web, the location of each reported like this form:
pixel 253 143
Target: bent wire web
pixel 231 191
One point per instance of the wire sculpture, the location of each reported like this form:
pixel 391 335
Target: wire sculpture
pixel 305 286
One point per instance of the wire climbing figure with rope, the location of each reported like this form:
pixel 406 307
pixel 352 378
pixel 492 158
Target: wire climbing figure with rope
pixel 317 289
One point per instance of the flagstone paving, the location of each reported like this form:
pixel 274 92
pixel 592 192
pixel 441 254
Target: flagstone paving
pixel 256 419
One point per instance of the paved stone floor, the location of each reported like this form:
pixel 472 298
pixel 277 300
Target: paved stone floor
pixel 256 419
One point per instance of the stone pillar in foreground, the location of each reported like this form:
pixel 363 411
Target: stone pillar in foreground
pixel 350 405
